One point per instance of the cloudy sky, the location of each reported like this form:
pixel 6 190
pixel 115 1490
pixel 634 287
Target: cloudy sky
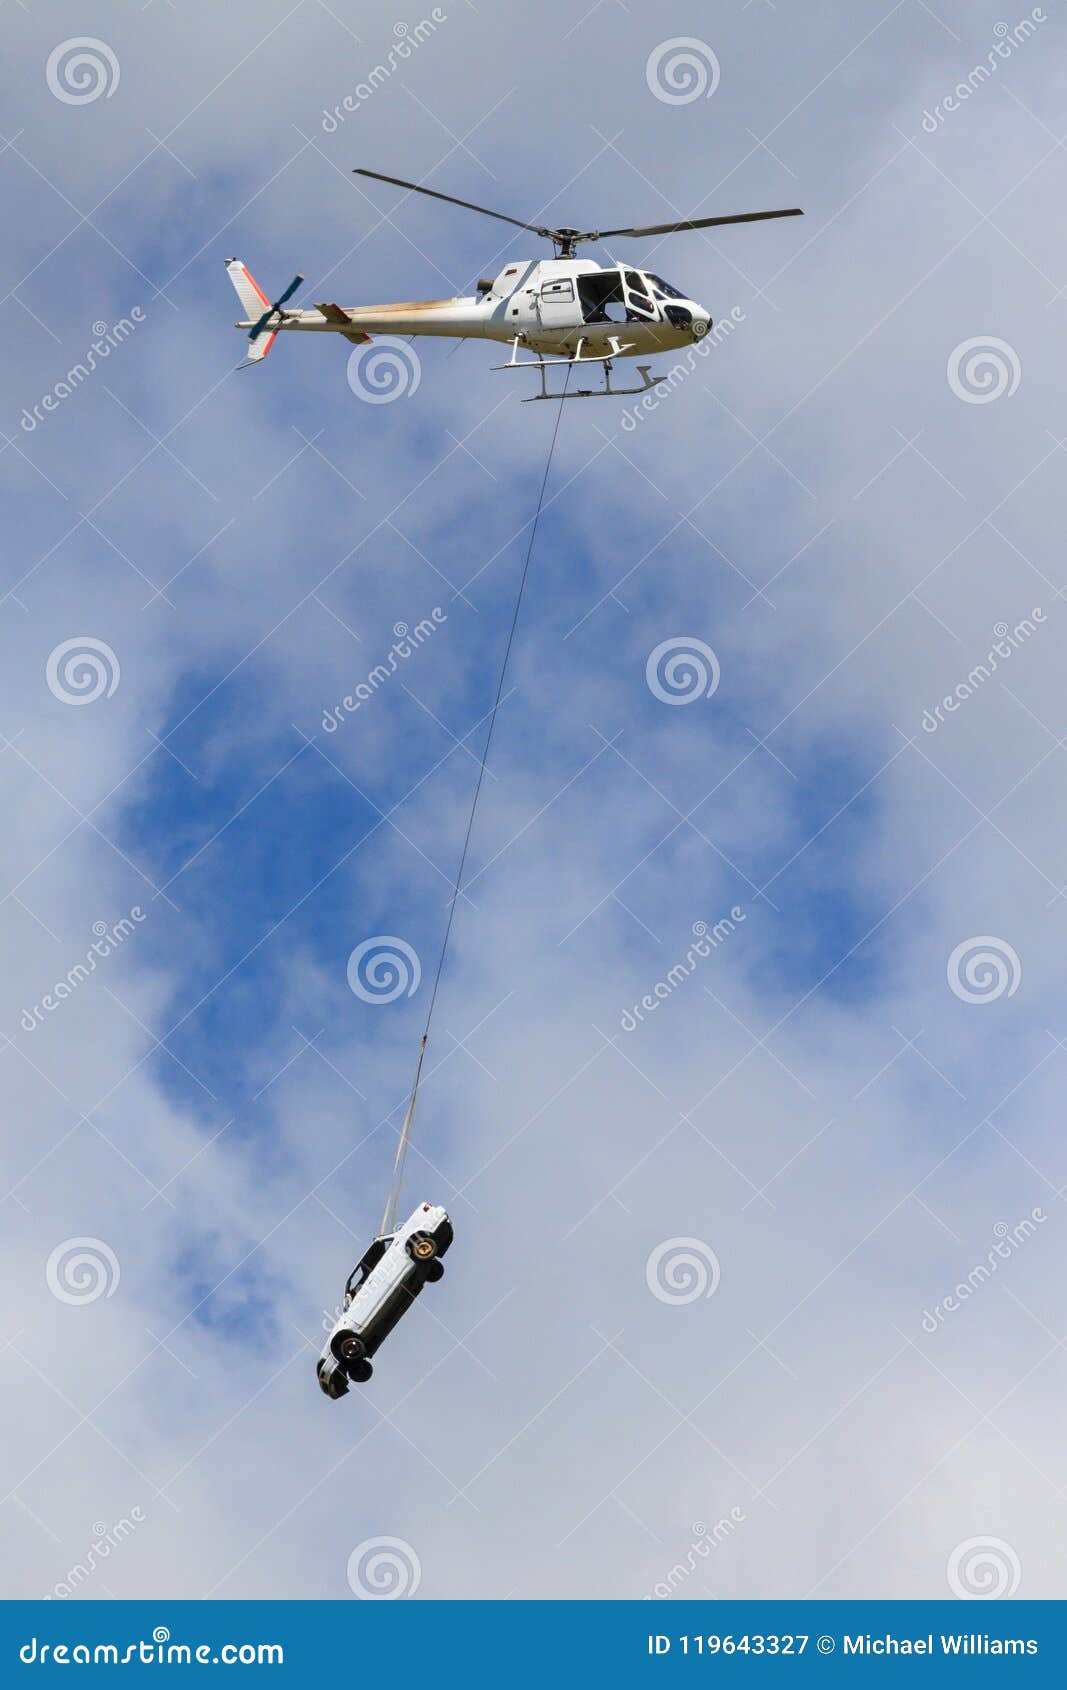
pixel 704 1283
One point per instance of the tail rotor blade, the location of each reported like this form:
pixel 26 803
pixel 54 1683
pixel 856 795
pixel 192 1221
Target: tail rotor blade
pixel 289 292
pixel 275 309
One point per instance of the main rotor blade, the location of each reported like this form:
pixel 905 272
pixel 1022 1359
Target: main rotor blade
pixel 469 205
pixel 701 223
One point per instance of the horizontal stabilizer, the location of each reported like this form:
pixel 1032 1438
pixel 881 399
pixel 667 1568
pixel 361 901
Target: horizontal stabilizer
pixel 336 314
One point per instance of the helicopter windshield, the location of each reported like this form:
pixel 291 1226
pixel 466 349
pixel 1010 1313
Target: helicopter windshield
pixel 664 289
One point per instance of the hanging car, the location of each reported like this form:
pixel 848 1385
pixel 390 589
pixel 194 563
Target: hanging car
pixel 382 1287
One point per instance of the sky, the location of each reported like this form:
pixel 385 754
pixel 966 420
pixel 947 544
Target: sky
pixel 754 1293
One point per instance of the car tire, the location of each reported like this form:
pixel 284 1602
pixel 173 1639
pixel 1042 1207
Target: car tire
pixel 359 1371
pixel 348 1348
pixel 434 1271
pixel 332 1384
pixel 422 1247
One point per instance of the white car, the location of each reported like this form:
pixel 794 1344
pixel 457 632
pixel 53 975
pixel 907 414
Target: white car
pixel 380 1289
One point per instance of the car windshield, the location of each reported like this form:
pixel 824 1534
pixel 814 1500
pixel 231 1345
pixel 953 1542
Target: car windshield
pixel 663 288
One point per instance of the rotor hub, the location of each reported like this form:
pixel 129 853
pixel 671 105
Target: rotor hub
pixel 566 240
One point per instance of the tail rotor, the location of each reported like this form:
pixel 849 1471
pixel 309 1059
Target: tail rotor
pixel 275 310
pixel 261 315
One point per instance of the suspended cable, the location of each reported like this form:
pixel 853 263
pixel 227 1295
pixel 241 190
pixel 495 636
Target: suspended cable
pixel 389 1216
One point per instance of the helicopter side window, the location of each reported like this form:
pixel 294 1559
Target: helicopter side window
pixel 558 293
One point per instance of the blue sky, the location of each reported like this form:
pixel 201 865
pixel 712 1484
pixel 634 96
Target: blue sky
pixel 814 1104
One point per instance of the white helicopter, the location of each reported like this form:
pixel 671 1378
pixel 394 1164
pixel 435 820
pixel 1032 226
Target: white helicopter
pixel 564 310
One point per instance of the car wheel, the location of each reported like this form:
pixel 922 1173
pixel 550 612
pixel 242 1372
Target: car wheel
pixel 359 1371
pixel 333 1384
pixel 348 1348
pixel 422 1247
pixel 434 1271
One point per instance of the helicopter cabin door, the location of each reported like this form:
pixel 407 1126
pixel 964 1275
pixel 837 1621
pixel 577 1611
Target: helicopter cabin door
pixel 639 304
pixel 557 305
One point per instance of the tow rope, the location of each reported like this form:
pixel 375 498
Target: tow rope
pixel 392 1202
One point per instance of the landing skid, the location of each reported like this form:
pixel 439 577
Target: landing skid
pixel 603 358
pixel 605 392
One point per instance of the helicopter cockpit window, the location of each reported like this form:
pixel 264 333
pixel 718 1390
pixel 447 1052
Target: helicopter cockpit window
pixel 664 289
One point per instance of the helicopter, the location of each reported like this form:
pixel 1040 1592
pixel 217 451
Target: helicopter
pixel 563 310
